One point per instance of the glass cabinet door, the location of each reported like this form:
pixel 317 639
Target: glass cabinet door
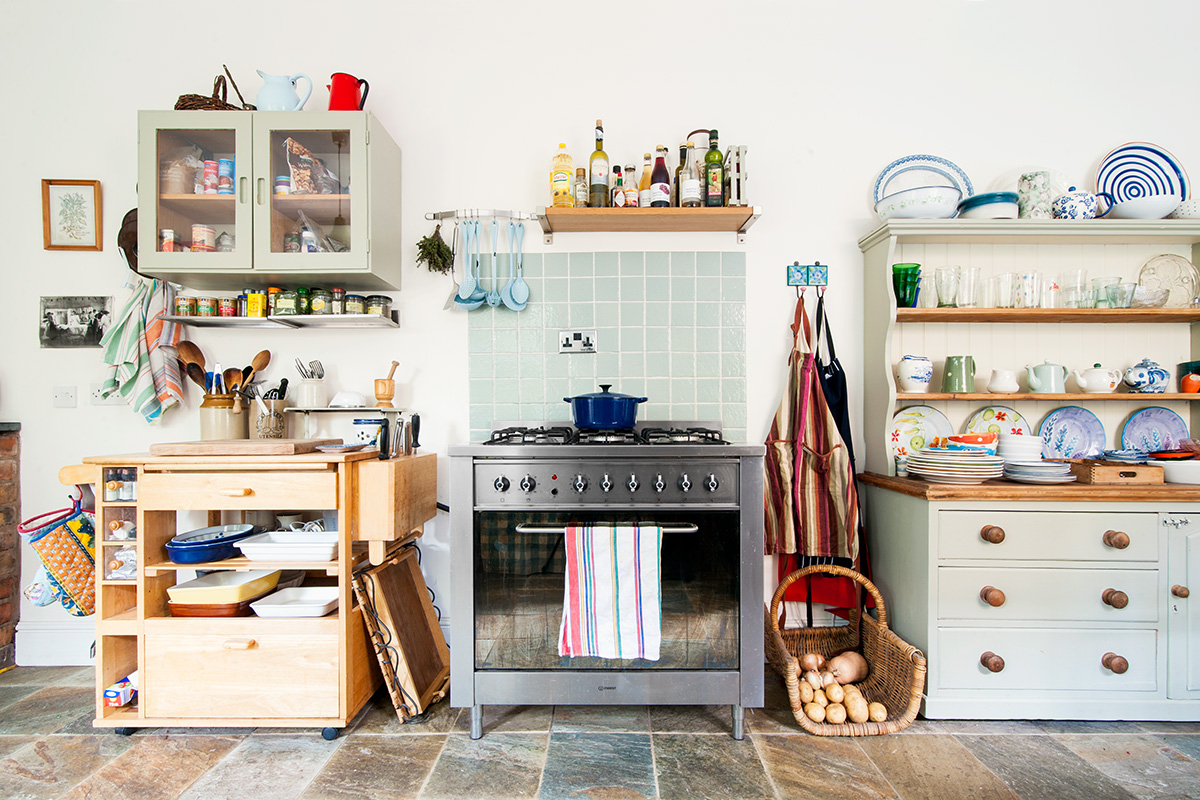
pixel 310 175
pixel 194 192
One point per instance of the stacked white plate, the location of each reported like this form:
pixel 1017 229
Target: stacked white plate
pixel 955 466
pixel 1038 471
pixel 1015 447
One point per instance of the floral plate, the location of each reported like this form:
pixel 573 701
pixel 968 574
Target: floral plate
pixel 1154 428
pixel 1071 432
pixel 914 427
pixel 997 419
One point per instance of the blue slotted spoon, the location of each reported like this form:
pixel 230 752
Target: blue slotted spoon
pixel 520 289
pixel 468 282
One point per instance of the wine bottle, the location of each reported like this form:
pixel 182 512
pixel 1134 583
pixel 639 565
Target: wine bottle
pixel 644 186
pixel 598 169
pixel 561 175
pixel 581 187
pixel 714 172
pixel 631 187
pixel 660 180
pixel 689 180
pixel 617 196
pixel 678 170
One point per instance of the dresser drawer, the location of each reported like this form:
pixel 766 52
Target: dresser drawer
pixel 240 675
pixel 1040 659
pixel 297 490
pixel 1047 535
pixel 1054 595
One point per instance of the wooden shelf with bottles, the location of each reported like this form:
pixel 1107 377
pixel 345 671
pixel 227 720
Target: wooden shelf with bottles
pixel 1094 315
pixel 735 219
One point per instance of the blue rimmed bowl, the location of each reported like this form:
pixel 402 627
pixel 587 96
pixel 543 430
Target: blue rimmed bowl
pixel 989 205
pixel 923 202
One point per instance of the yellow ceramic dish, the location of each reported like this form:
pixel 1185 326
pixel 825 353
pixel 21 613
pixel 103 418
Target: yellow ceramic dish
pixel 224 587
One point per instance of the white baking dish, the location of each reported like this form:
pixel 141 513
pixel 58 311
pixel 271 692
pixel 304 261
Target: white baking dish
pixel 290 546
pixel 301 601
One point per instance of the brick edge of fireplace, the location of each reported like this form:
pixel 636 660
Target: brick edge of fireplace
pixel 10 542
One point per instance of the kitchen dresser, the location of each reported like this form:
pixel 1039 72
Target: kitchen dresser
pixel 1034 602
pixel 244 671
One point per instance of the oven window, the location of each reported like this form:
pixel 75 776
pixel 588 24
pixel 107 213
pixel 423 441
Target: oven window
pixel 519 584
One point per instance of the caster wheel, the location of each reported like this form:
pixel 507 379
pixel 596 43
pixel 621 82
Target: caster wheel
pixel 124 731
pixel 329 734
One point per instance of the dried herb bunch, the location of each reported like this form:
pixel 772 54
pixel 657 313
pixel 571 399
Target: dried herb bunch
pixel 435 253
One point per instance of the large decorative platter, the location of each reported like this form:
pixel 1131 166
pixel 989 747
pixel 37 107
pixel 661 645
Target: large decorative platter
pixel 922 163
pixel 914 427
pixel 1071 432
pixel 997 419
pixel 1152 429
pixel 1175 274
pixel 1141 169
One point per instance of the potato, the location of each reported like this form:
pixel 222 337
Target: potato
pixel 820 698
pixel 827 678
pixel 815 712
pixel 814 679
pixel 849 667
pixel 835 713
pixel 835 692
pixel 856 708
pixel 812 662
pixel 877 711
pixel 852 688
pixel 806 692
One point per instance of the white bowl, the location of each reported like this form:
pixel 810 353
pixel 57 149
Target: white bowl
pixel 924 202
pixel 990 211
pixel 1154 206
pixel 1188 209
pixel 1179 471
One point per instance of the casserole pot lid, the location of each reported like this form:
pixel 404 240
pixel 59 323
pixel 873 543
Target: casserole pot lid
pixel 605 394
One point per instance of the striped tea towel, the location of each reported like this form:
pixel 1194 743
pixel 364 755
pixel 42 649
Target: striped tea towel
pixel 612 601
pixel 161 337
pixel 128 358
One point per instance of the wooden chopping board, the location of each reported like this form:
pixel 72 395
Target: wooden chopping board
pixel 240 447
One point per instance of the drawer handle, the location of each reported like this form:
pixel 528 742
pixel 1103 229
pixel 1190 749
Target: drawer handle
pixel 991 661
pixel 1115 598
pixel 244 492
pixel 992 533
pixel 238 644
pixel 992 596
pixel 1180 591
pixel 1116 539
pixel 1116 663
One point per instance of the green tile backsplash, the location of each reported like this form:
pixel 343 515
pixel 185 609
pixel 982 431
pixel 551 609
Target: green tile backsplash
pixel 669 326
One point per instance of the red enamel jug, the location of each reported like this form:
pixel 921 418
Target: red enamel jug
pixel 344 92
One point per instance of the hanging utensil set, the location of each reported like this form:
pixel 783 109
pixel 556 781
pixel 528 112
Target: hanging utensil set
pixel 469 294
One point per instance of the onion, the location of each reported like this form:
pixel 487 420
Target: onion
pixel 812 661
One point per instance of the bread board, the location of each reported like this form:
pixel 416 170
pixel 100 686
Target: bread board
pixel 240 447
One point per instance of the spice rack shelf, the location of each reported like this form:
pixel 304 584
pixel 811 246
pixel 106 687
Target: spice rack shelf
pixel 736 219
pixel 1048 315
pixel 1129 397
pixel 296 321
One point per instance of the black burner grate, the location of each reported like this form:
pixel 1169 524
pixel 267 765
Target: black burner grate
pixel 555 435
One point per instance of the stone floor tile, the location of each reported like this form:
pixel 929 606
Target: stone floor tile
pixel 82 726
pixel 693 767
pixel 601 719
pixel 1143 765
pixel 379 716
pixel 934 766
pixel 11 744
pixel 1165 727
pixel 1188 744
pixel 619 766
pixel 55 764
pixel 920 725
pixel 1084 726
pixel 155 768
pixel 505 765
pixel 802 765
pixel 11 694
pixel 691 719
pixel 82 676
pixel 508 719
pixel 376 767
pixel 983 727
pixel 264 768
pixel 46 710
pixel 46 676
pixel 1038 766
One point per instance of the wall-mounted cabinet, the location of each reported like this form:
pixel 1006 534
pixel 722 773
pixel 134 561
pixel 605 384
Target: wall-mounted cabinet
pixel 341 172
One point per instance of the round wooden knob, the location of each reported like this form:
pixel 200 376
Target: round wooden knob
pixel 992 533
pixel 992 596
pixel 1116 663
pixel 991 661
pixel 1115 598
pixel 1116 539
pixel 1180 591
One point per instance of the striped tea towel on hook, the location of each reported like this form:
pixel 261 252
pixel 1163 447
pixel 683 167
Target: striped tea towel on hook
pixel 612 600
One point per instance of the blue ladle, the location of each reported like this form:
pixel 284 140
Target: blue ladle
pixel 506 292
pixel 493 295
pixel 475 297
pixel 468 282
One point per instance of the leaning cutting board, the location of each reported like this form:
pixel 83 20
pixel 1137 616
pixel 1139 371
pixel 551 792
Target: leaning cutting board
pixel 240 447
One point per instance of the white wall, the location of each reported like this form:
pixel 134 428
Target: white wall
pixel 478 95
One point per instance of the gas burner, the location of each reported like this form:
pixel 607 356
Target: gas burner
pixel 682 436
pixel 609 437
pixel 556 435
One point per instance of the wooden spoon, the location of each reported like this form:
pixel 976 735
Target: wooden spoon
pixel 196 373
pixel 257 364
pixel 232 378
pixel 190 353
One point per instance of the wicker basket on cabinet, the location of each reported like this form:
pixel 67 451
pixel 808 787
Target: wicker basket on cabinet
pixel 896 674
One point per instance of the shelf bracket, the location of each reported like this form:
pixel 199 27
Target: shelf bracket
pixel 547 231
pixel 755 213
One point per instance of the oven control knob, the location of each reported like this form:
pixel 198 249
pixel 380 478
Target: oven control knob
pixel 501 484
pixel 712 483
pixel 658 483
pixel 579 484
pixel 632 483
pixel 528 484
pixel 684 483
pixel 606 484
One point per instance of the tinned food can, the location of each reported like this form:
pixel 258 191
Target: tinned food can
pixel 227 307
pixel 167 241
pixel 185 306
pixel 291 243
pixel 225 176
pixel 206 306
pixel 204 239
pixel 211 179
pixel 256 304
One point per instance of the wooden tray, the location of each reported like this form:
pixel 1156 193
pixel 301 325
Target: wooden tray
pixel 1094 471
pixel 240 447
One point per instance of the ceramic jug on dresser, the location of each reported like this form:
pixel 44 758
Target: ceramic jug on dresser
pixel 914 373
pixel 278 92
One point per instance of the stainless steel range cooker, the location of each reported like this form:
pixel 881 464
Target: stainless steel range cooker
pixel 511 499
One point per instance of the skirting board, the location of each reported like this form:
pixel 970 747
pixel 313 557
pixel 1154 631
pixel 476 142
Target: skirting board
pixel 55 644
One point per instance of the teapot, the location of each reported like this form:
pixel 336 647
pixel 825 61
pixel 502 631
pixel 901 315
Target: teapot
pixel 1047 377
pixel 1080 205
pixel 1147 376
pixel 278 92
pixel 1097 379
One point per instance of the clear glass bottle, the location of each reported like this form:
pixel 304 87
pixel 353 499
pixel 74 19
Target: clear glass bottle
pixel 598 172
pixel 660 180
pixel 678 170
pixel 562 173
pixel 644 185
pixel 714 172
pixel 581 187
pixel 689 180
pixel 631 186
pixel 617 195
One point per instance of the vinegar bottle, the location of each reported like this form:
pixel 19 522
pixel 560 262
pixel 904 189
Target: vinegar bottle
pixel 561 175
pixel 660 180
pixel 617 199
pixel 678 170
pixel 581 187
pixel 644 186
pixel 714 173
pixel 631 187
pixel 689 180
pixel 598 170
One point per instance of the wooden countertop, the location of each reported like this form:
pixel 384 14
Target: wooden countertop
pixel 1007 490
pixel 133 459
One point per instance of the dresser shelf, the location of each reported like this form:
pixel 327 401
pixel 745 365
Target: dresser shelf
pixel 1128 397
pixel 1093 315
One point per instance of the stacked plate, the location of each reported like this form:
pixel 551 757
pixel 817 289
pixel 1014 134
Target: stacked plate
pixel 1016 447
pixel 955 466
pixel 1038 471
pixel 1126 456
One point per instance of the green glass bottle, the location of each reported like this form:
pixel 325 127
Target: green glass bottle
pixel 714 173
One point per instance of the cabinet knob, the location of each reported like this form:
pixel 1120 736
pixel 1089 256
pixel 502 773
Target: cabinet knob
pixel 1180 591
pixel 1116 539
pixel 992 533
pixel 1116 663
pixel 245 492
pixel 992 596
pixel 991 661
pixel 238 644
pixel 1115 598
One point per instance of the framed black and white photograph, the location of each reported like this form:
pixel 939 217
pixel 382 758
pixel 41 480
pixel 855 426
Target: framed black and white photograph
pixel 71 215
pixel 74 321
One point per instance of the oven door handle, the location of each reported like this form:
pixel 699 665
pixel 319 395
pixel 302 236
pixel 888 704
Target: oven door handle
pixel 681 528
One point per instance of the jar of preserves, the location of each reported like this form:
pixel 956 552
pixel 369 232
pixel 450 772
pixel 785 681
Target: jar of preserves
pixel 379 304
pixel 320 301
pixel 303 303
pixel 286 303
pixel 339 300
pixel 356 304
pixel 271 292
pixel 206 306
pixel 227 307
pixel 185 306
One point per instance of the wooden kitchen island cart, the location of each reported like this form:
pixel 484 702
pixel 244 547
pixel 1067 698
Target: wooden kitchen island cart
pixel 245 671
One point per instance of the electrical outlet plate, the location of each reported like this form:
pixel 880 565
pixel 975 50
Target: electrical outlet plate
pixel 63 396
pixel 576 341
pixel 113 399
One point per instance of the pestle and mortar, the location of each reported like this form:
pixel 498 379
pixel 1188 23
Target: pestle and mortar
pixel 385 388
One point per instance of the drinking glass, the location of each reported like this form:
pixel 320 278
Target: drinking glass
pixel 1006 289
pixel 946 280
pixel 968 287
pixel 1050 292
pixel 1100 290
pixel 1029 290
pixel 927 297
pixel 1120 295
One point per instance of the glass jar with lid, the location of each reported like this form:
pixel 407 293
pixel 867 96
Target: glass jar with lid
pixel 320 301
pixel 356 304
pixel 379 304
pixel 338 305
pixel 302 302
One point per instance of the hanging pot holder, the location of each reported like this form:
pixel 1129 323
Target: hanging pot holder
pixel 65 541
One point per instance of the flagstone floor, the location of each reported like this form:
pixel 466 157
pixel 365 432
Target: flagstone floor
pixel 48 749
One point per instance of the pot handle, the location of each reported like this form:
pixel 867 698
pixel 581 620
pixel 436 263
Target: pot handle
pixel 1111 202
pixel 640 399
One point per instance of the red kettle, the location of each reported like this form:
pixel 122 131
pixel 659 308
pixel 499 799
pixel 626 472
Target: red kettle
pixel 343 92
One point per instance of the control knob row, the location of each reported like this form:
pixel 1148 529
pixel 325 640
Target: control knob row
pixel 580 483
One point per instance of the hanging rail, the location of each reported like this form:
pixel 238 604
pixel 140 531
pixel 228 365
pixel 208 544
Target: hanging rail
pixel 467 213
pixel 681 528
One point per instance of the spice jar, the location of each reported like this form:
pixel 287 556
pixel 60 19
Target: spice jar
pixel 320 301
pixel 338 304
pixel 379 304
pixel 271 292
pixel 227 307
pixel 206 306
pixel 185 306
pixel 356 304
pixel 303 303
pixel 222 418
pixel 286 303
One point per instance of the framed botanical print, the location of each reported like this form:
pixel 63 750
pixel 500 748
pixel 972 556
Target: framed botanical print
pixel 71 215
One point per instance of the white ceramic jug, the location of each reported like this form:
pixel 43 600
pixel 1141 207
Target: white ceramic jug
pixel 1003 381
pixel 278 92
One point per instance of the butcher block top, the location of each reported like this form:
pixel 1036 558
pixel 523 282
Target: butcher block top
pixel 240 447
pixel 1007 490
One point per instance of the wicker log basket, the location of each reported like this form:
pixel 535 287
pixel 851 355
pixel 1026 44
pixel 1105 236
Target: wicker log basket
pixel 217 102
pixel 896 674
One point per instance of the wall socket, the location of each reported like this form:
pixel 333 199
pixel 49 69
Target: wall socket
pixel 62 397
pixel 113 399
pixel 576 341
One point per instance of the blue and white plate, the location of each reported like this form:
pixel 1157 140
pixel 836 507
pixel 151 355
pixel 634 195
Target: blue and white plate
pixel 1141 169
pixel 1071 432
pixel 922 164
pixel 1152 429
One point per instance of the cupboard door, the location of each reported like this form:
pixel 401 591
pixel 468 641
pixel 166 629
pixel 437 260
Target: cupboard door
pixel 1183 626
